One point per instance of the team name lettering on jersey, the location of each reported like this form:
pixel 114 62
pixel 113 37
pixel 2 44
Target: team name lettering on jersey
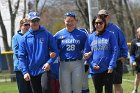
pixel 70 44
pixel 70 41
pixel 101 44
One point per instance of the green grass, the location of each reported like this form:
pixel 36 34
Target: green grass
pixel 11 87
pixel 127 85
pixel 8 87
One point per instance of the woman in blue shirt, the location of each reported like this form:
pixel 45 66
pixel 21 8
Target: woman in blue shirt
pixel 23 86
pixel 103 45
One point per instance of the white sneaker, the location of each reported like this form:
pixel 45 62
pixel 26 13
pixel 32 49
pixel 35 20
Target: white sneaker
pixel 134 91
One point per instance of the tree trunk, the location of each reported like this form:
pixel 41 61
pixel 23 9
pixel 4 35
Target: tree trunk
pixel 24 12
pixel 12 26
pixel 36 5
pixel 42 8
pixel 133 28
pixel 6 46
pixel 120 15
pixel 4 33
pixel 83 9
pixel 103 4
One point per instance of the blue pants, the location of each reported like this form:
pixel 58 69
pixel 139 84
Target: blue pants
pixel 23 86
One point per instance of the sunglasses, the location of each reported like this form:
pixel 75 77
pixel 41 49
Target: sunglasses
pixel 26 24
pixel 35 20
pixel 98 23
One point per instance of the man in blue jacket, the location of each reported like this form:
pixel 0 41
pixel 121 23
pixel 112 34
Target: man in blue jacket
pixel 36 45
pixel 122 50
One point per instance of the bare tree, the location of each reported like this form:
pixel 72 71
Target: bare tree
pixel 43 7
pixel 36 5
pixel 117 8
pixel 103 4
pixel 133 28
pixel 25 7
pixel 7 47
pixel 4 31
pixel 83 9
pixel 13 13
pixel 135 8
pixel 30 6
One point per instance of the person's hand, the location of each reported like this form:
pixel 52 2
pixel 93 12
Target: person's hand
pixel 134 64
pixel 46 67
pixel 87 55
pixel 96 67
pixel 27 77
pixel 122 59
pixel 110 71
pixel 52 54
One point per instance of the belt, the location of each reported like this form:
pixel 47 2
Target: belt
pixel 67 60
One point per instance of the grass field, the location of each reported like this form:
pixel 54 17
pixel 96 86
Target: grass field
pixel 11 87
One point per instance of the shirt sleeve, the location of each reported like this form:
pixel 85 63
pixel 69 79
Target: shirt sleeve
pixel 53 48
pixel 15 46
pixel 22 55
pixel 114 48
pixel 132 51
pixel 122 44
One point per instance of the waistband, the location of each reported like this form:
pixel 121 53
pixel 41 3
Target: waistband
pixel 68 60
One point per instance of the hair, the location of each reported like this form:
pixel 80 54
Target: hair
pixel 94 19
pixel 24 20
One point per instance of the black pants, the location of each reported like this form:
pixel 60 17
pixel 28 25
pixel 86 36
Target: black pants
pixel 41 83
pixel 23 86
pixel 103 79
pixel 118 72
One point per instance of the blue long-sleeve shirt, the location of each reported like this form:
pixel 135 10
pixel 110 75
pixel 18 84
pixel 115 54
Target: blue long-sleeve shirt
pixel 35 46
pixel 15 46
pixel 104 51
pixel 55 69
pixel 70 44
pixel 121 40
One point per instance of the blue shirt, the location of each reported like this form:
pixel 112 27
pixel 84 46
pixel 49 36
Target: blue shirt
pixel 70 44
pixel 15 46
pixel 104 51
pixel 55 69
pixel 121 40
pixel 35 46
